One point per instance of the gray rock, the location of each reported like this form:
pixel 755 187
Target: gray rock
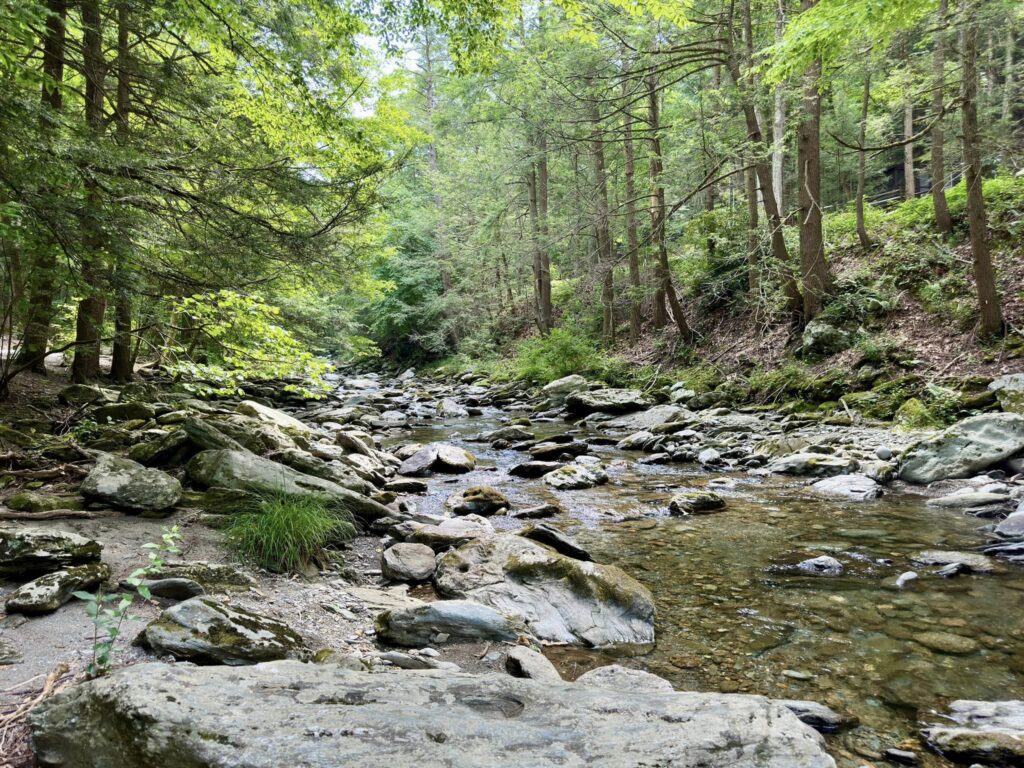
pixel 130 411
pixel 534 469
pixel 812 464
pixel 84 394
pixel 646 420
pixel 974 561
pixel 44 550
pixel 209 632
pixel 449 409
pixel 172 588
pixel 562 600
pixel 32 501
pixel 821 566
pixel 695 502
pixel 213 577
pixel 966 448
pixel 480 500
pixel 574 477
pixel 614 401
pixel 968 499
pixel 554 538
pixel 406 485
pixel 247 472
pixel 553 450
pixel 129 485
pixel 1012 527
pixel 820 338
pixel 883 453
pixel 818 716
pixel 1009 391
pixel 537 512
pixel 457 620
pixel 452 532
pixel 849 487
pixel 205 436
pixel 991 732
pixel 905 578
pixel 324 716
pixel 522 661
pixel 512 434
pixel 618 678
pixel 559 388
pixel 272 416
pixel 407 562
pixel 438 457
pixel 48 593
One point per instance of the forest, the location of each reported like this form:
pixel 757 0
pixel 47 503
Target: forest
pixel 487 383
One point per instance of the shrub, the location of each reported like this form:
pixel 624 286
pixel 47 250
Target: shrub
pixel 561 352
pixel 285 533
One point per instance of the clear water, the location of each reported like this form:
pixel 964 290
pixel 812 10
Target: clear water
pixel 732 618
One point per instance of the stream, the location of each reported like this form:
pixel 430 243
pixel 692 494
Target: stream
pixel 733 618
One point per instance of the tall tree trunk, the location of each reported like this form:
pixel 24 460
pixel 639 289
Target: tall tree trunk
pixel 753 241
pixel 538 279
pixel 984 278
pixel 862 135
pixel 943 221
pixel 909 183
pixel 1011 43
pixel 601 223
pixel 817 280
pixel 632 240
pixel 791 290
pixel 658 211
pixel 36 335
pixel 779 122
pixel 122 362
pixel 546 308
pixel 89 324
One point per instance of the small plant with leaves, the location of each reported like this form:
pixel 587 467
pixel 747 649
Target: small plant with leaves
pixel 109 611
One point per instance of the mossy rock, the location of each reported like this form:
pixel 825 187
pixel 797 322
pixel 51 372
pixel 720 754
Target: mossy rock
pixel 30 501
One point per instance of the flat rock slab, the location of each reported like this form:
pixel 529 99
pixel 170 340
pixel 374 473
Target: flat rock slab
pixel 966 448
pixel 291 714
pixel 991 732
pixel 129 485
pixel 43 550
pixel 48 593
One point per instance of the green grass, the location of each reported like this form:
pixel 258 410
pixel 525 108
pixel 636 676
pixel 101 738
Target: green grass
pixel 285 533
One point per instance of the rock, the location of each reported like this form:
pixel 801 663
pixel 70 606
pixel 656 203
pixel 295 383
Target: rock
pixel 966 448
pixel 1009 390
pixel 213 577
pixel 458 620
pixel 537 512
pixel 449 409
pixel 559 388
pixel 480 500
pixel 32 501
pixel 574 477
pixel 900 756
pixel 946 642
pixel 272 416
pixel 128 485
pixel 84 394
pixel 522 661
pixel 1012 527
pixel 680 393
pixel 205 436
pixel 534 469
pixel 316 716
pixel 883 453
pixel 617 678
pixel 554 538
pixel 820 338
pixel 975 562
pixel 849 487
pixel 407 562
pixel 646 420
pixel 562 600
pixel 614 401
pixel 812 464
pixel 821 566
pixel 171 588
pixel 50 592
pixel 172 449
pixel 406 485
pixel 438 457
pixel 130 411
pixel 991 732
pixel 551 451
pixel 247 472
pixel 695 503
pixel 44 550
pixel 818 716
pixel 207 631
pixel 966 500
pixel 513 434
pixel 905 578
pixel 453 532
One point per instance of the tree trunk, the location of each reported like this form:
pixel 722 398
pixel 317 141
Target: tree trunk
pixel 943 222
pixel 984 278
pixel 632 240
pixel 89 324
pixel 601 225
pixel 779 122
pixel 862 134
pixel 538 279
pixel 753 241
pixel 909 183
pixel 36 336
pixel 122 362
pixel 664 274
pixel 817 280
pixel 1011 42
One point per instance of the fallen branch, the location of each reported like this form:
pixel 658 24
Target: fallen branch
pixel 17 716
pixel 53 514
pixel 47 474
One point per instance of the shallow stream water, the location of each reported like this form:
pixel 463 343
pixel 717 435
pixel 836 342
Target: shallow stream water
pixel 731 617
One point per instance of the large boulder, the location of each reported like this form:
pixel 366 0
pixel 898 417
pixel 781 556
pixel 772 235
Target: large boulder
pixel 563 600
pixel 126 484
pixel 437 457
pixel 452 532
pixel 207 631
pixel 1009 391
pixel 820 338
pixel 51 591
pixel 448 620
pixel 322 716
pixel 245 471
pixel 559 388
pixel 575 477
pixel 990 732
pixel 450 409
pixel 44 550
pixel 812 464
pixel 849 487
pixel 966 448
pixel 272 416
pixel 607 401
pixel 407 562
pixel 478 500
pixel 646 420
